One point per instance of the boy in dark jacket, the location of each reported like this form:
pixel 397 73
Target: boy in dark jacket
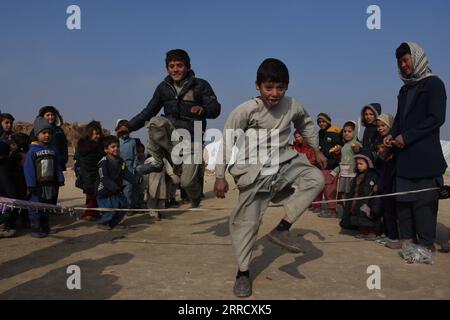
pixel 186 100
pixel 88 153
pixel 43 176
pixel 59 140
pixel 111 172
pixel 363 214
pixel 329 138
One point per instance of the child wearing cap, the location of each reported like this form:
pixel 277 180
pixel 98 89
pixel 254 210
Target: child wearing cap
pixel 329 138
pixel 43 176
pixel 59 139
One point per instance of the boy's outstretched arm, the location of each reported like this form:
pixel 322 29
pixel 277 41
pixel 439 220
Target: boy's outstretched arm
pixel 235 126
pixel 151 110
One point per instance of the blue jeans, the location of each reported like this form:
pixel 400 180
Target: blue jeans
pixel 112 218
pixel 131 192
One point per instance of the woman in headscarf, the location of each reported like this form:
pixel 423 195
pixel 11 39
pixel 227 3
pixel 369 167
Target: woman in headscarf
pixel 415 134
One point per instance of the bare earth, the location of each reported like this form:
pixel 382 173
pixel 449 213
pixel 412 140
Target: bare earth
pixel 188 256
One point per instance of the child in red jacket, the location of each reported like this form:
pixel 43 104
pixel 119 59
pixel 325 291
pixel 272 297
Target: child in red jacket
pixel 301 147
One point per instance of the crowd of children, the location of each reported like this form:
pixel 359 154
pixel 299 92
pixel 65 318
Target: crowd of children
pixel 32 166
pixel 357 169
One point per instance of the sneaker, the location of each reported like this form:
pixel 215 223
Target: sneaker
pixel 152 166
pixel 104 227
pixel 397 244
pixel 283 239
pixel 243 287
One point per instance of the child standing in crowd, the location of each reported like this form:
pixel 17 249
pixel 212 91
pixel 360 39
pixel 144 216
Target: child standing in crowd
pixel 301 147
pixel 329 139
pixel 59 140
pixel 369 115
pixel 386 169
pixel 128 152
pixel 112 170
pixel 363 214
pixel 141 157
pixel 345 172
pixel 88 153
pixel 7 190
pixel 7 122
pixel 384 124
pixel 43 176
pixel 20 144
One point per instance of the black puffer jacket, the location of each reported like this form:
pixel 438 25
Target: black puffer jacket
pixel 177 107
pixel 87 155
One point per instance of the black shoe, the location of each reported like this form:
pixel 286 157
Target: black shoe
pixel 195 203
pixel 242 287
pixel 152 166
pixel 283 239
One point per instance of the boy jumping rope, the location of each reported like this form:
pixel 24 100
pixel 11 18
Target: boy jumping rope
pixel 294 182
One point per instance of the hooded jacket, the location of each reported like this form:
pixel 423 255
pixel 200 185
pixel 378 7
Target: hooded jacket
pixel 87 155
pixel 371 135
pixel 177 106
pixel 59 139
pixel 346 167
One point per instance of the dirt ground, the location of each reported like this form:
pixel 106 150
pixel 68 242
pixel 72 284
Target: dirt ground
pixel 188 255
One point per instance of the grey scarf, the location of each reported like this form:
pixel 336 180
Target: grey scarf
pixel 420 65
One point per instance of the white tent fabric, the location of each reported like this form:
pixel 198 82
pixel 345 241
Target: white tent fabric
pixel 446 150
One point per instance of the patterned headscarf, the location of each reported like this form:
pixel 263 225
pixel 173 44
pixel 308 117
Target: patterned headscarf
pixel 421 68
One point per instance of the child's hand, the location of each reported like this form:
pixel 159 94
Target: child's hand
pixel 175 179
pixel 366 209
pixel 197 110
pixel 336 149
pixel 220 187
pixel 356 147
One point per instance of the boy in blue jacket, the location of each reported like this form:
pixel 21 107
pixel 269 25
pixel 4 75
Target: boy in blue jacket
pixel 112 170
pixel 43 176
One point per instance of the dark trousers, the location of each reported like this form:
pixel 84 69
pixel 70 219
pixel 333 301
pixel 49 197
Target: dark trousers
pixel 390 217
pixel 419 219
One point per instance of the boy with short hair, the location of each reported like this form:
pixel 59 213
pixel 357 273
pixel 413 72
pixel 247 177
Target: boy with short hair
pixel 6 122
pixel 186 100
pixel 112 171
pixel 43 176
pixel 286 177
